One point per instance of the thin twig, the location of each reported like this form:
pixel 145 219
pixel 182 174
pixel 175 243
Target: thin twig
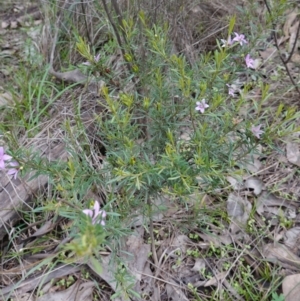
pixel 114 27
pixel 151 230
pixel 128 66
pixel 85 23
pixel 120 19
pixel 153 249
pixel 294 45
pixel 144 123
pixel 277 46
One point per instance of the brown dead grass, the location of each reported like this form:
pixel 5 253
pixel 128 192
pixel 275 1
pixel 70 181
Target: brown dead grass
pixel 194 28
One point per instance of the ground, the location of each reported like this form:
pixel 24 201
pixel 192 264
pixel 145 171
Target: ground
pixel 148 159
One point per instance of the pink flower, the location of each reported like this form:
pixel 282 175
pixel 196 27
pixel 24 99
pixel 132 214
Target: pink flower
pixel 256 131
pixel 96 60
pixel 97 215
pixel 3 157
pixel 231 90
pixel 227 42
pixel 201 106
pixel 240 38
pixel 249 61
pixel 13 169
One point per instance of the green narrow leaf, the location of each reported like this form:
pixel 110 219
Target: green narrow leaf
pixel 231 24
pixel 96 264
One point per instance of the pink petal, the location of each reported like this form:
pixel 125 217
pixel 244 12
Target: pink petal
pixel 88 212
pixel 7 157
pixel 13 172
pixel 97 58
pixel 13 164
pixel 96 208
pixel 2 165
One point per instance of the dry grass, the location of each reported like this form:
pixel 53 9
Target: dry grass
pixel 183 239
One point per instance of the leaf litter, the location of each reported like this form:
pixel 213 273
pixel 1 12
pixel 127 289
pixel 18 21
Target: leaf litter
pixel 178 266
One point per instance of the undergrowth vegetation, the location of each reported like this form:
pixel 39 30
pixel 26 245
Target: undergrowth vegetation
pixel 166 124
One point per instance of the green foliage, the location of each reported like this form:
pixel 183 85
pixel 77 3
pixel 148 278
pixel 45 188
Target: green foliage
pixel 84 49
pixel 156 142
pixel 276 297
pixel 163 162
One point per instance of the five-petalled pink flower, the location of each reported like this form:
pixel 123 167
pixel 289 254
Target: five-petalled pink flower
pixel 249 61
pixel 98 216
pixel 201 106
pixel 256 131
pixel 240 38
pixel 3 158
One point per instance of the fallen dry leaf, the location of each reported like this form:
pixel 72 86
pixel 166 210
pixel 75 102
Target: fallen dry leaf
pixel 255 184
pixel 107 270
pixel 280 254
pixel 291 287
pixel 236 184
pixel 224 238
pixel 214 280
pixel 235 206
pixel 267 200
pixel 288 23
pixel 268 53
pixel 252 164
pixel 76 292
pixel 293 31
pixel 295 58
pixel 32 283
pixel 199 265
pixel 136 254
pixel 257 63
pixel 180 242
pixel 238 209
pixel 293 151
pixel 292 237
pixel 4 24
pixel 24 297
pixel 6 98
pixel 107 273
pixel 174 292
